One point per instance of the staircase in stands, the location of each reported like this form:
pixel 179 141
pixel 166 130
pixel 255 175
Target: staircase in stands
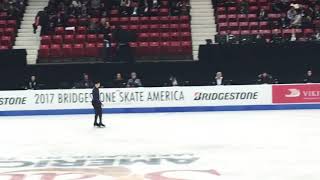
pixel 203 24
pixel 26 39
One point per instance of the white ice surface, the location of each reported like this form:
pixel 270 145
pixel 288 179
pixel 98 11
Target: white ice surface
pixel 259 145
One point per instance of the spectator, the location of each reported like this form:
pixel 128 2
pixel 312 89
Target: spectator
pixel 95 4
pixel 218 79
pixel 93 27
pixel 291 13
pixel 296 21
pixel 33 84
pixel 134 81
pixel 125 7
pixel 262 15
pixel 309 77
pixel 173 81
pixel 265 78
pixel 119 82
pixel 42 19
pixel 244 7
pixel 85 82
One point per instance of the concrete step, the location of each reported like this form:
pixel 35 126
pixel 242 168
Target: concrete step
pixel 203 22
pixel 26 47
pixel 32 52
pixel 32 57
pixel 202 26
pixel 27 43
pixel 197 14
pixel 27 38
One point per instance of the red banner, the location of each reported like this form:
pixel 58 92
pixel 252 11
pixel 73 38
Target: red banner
pixel 306 93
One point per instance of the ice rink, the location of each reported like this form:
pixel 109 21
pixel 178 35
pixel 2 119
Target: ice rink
pixel 258 145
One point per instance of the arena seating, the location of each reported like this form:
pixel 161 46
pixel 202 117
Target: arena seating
pixel 9 25
pixel 230 21
pixel 158 36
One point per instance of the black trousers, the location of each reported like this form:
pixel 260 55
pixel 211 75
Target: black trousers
pixel 98 112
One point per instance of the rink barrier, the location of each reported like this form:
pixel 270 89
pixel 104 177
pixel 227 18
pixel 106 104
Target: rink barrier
pixel 163 99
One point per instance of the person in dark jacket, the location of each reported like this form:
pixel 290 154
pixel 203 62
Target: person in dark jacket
pixel 33 84
pixel 134 81
pixel 97 105
pixel 265 78
pixel 119 82
pixel 309 78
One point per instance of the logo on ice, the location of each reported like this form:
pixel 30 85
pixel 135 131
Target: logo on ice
pixel 307 93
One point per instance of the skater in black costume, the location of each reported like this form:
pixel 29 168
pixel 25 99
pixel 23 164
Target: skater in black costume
pixel 97 105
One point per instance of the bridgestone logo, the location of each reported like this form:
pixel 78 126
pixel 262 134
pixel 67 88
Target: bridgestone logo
pixel 200 96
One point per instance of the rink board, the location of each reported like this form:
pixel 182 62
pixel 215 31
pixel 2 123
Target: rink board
pixel 162 99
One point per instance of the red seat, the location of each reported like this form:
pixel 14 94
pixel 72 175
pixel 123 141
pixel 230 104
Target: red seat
pixel 143 37
pixel 92 38
pixel 185 27
pixel 221 10
pixel 164 28
pixel 186 47
pixel 223 26
pixel 92 50
pixel 186 36
pixel 57 39
pixel 232 17
pixel 12 23
pixel 154 20
pixel 81 30
pixel 45 40
pixel 263 25
pixel 83 21
pixel 6 41
pixel 4 47
pixel 173 20
pixel 143 49
pixel 242 18
pixel 67 50
pixel 72 22
pixel 80 38
pixel 174 36
pixel 124 20
pixel 266 34
pixel 55 50
pixel 44 51
pixel 154 28
pixel 134 20
pixel 3 24
pixel 125 27
pixel 263 2
pixel 164 47
pixel 174 27
pixel 114 21
pixel 175 48
pixel 232 10
pixel 244 25
pixel 255 32
pixel 184 19
pixel 274 17
pixel 253 9
pixel 144 28
pixel 245 32
pixel 234 25
pixel 78 50
pixel 253 25
pixel 100 38
pixel 9 32
pixel 134 28
pixel 144 20
pixel 235 33
pixel 253 2
pixel 154 37
pixel 252 17
pixel 68 39
pixel 276 32
pixel 287 33
pixel 154 48
pixel 165 36
pixel 114 13
pixel 166 20
pixel 308 32
pixel 164 12
pixel 222 18
pixel 59 30
pixel 134 47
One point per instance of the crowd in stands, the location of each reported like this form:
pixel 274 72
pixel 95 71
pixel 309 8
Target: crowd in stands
pixel 134 81
pixel 11 13
pixel 104 18
pixel 270 20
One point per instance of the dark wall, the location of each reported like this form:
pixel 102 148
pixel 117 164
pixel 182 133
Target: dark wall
pixel 12 68
pixel 288 62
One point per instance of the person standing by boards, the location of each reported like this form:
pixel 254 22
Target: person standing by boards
pixel 97 105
